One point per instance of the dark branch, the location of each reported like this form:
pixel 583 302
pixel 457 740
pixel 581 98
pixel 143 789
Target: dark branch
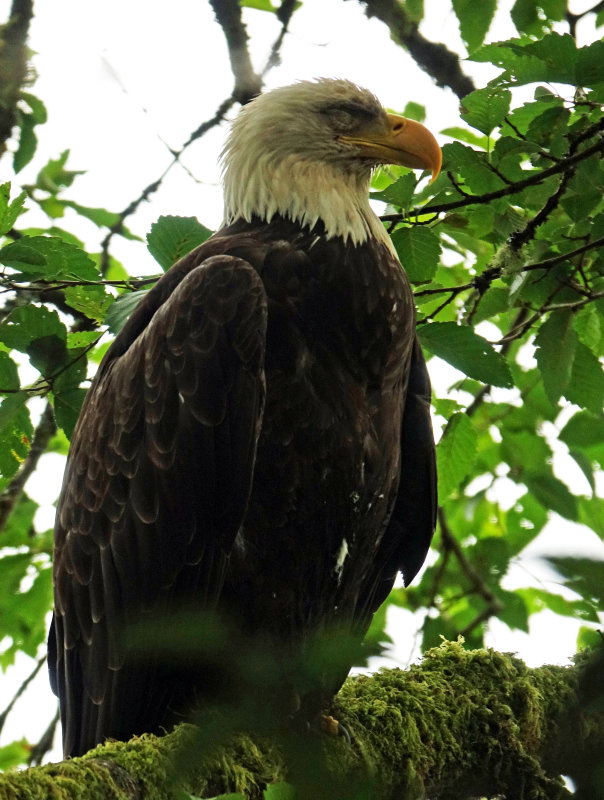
pixel 39 750
pixel 13 65
pixel 284 14
pixel 247 83
pixel 435 59
pixel 20 690
pixel 572 19
pixel 476 580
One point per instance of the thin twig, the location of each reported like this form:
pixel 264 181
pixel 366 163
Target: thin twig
pixel 39 750
pixel 479 585
pixel 20 690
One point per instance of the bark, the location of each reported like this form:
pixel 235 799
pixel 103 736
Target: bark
pixel 460 724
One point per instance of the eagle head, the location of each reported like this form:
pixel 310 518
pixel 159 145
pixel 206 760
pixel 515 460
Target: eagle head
pixel 306 152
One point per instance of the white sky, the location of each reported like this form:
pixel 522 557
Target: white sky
pixel 120 76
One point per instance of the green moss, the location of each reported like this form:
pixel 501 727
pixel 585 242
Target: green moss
pixel 460 723
pixel 459 717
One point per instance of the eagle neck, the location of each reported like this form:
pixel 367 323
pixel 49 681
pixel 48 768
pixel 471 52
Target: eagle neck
pixel 307 193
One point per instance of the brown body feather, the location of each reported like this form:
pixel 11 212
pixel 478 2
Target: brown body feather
pixel 257 440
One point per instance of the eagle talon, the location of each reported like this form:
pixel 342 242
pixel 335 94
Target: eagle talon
pixel 332 727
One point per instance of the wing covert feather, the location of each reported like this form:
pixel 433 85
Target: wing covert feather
pixel 156 485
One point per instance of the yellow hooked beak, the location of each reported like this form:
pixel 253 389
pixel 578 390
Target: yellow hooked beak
pixel 400 141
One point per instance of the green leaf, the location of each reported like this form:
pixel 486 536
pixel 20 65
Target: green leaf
pixel 280 791
pixel 27 323
pixel 68 405
pixel 9 211
pixel 14 754
pixel 23 610
pixel 418 249
pixel 588 638
pixel 469 137
pixel 472 166
pixel 553 494
pixel 584 431
pixel 524 521
pixel 582 575
pixel 19 525
pixel 37 107
pixel 9 373
pixel 122 308
pixel 520 67
pixel 398 193
pixel 493 302
pixel 53 176
pixel 589 65
pixel 528 17
pixel 588 323
pixel 558 53
pixel 415 9
pixel 556 344
pixel 100 216
pixel 27 141
pixel 80 339
pixel 455 453
pixel 539 599
pixel 514 612
pixel 467 351
pixel 93 301
pixel 171 238
pixel 524 451
pixel 260 5
pixel 485 109
pixel 586 387
pixel 48 257
pixel 591 513
pixel 474 20
pixel 415 111
pixel 16 432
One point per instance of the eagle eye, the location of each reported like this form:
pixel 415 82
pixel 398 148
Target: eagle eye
pixel 345 117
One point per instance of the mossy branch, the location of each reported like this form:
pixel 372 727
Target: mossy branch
pixel 459 724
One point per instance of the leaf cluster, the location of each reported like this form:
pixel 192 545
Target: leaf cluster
pixel 506 253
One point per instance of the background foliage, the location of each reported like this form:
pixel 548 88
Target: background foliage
pixel 506 254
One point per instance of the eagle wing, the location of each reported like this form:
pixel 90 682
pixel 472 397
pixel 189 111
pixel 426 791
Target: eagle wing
pixel 156 486
pixel 407 539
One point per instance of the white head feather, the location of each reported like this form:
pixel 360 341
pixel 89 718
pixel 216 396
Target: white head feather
pixel 283 157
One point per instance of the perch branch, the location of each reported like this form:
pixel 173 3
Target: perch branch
pixel 461 723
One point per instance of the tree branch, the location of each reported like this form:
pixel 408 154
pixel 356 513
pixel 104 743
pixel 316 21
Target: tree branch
pixel 247 83
pixel 284 14
pixel 39 750
pixel 13 65
pixel 461 723
pixel 562 165
pixel 435 59
pixel 479 585
pixel 20 690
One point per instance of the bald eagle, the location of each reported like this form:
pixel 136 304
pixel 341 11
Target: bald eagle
pixel 257 439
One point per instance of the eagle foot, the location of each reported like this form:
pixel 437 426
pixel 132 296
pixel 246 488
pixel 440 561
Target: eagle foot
pixel 332 727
